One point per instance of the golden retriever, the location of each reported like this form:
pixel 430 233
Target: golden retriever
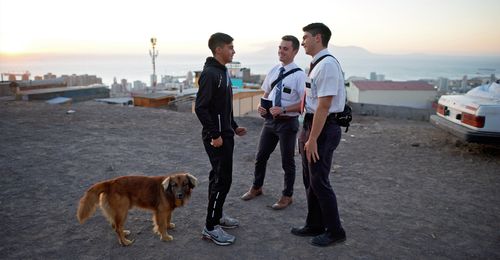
pixel 161 194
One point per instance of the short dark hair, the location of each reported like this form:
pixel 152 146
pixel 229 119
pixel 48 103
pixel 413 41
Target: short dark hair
pixel 218 40
pixel 315 28
pixel 293 39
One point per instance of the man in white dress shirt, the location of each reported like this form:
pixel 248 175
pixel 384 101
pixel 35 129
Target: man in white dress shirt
pixel 325 96
pixel 284 87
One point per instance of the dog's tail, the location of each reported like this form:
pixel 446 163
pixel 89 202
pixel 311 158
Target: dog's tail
pixel 89 201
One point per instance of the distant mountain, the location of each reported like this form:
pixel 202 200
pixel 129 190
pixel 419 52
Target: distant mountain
pixel 268 53
pixel 271 49
pixel 357 61
pixel 352 51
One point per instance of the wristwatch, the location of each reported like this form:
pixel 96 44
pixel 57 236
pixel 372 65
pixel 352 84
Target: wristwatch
pixel 284 110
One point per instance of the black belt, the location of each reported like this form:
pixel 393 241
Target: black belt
pixel 284 118
pixel 310 116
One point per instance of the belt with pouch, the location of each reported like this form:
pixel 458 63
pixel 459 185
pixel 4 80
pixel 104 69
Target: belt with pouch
pixel 310 116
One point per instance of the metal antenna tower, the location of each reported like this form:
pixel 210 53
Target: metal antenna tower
pixel 153 53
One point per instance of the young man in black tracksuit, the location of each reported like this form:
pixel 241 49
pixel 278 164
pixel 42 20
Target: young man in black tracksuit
pixel 214 108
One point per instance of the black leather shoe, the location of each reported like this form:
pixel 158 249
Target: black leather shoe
pixel 328 239
pixel 306 231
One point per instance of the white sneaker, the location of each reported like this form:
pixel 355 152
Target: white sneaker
pixel 218 236
pixel 228 222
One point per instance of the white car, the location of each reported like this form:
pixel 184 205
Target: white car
pixel 473 117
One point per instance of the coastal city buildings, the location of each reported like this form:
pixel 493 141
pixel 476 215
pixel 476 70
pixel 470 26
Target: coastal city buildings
pixel 457 86
pixel 81 80
pixel 377 77
pixel 374 95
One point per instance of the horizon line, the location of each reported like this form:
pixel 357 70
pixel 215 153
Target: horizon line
pixel 207 53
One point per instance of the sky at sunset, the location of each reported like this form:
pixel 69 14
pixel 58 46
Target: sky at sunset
pixel 450 27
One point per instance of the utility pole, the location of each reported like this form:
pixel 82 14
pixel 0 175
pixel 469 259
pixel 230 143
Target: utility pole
pixel 153 54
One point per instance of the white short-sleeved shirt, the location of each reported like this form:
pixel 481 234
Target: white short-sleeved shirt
pixel 293 86
pixel 326 79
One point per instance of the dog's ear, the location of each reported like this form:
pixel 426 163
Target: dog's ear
pixel 193 182
pixel 166 184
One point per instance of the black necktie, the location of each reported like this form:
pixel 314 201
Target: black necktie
pixel 277 98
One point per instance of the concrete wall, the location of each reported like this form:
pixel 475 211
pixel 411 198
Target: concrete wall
pixel 392 111
pixel 246 102
pixel 404 98
pixel 352 93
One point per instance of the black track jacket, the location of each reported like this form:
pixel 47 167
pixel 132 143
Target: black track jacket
pixel 214 101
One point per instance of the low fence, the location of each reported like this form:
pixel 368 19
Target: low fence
pixel 243 102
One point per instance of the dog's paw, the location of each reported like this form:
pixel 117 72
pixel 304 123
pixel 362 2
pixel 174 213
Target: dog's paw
pixel 171 226
pixel 167 238
pixel 155 230
pixel 126 232
pixel 126 242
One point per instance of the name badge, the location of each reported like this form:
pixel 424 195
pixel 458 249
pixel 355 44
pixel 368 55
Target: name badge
pixel 308 87
pixel 287 90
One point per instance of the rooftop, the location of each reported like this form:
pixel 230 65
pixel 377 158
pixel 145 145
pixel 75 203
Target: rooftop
pixel 60 89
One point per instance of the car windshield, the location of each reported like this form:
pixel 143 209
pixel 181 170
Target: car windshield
pixel 489 91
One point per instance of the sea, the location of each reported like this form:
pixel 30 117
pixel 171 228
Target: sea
pixel 140 67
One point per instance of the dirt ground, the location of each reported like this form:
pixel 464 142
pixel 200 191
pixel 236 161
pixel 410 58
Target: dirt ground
pixel 405 189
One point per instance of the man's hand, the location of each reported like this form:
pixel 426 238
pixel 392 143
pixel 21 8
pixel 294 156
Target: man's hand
pixel 240 131
pixel 311 146
pixel 262 111
pixel 217 142
pixel 311 149
pixel 275 111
